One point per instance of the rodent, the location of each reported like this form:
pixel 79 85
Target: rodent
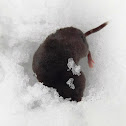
pixel 51 58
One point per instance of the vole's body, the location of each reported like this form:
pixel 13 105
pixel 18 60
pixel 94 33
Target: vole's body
pixel 51 58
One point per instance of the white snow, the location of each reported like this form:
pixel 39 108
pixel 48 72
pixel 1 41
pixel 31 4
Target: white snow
pixel 70 83
pixel 73 67
pixel 24 24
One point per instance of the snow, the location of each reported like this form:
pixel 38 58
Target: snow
pixel 73 67
pixel 70 83
pixel 24 24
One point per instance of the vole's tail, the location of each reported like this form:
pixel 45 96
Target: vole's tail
pixel 95 29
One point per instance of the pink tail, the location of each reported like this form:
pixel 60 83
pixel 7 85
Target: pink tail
pixel 96 29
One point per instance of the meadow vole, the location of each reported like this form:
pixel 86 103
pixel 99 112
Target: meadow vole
pixel 51 58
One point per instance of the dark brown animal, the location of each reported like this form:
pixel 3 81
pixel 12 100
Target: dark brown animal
pixel 51 58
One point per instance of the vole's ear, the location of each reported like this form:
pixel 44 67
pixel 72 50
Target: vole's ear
pixel 95 29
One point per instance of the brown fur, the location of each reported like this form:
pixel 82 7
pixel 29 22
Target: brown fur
pixel 51 58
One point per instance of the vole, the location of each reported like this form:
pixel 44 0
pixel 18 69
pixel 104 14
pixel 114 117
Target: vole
pixel 51 58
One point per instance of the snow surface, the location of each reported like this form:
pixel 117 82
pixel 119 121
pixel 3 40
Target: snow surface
pixel 24 24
